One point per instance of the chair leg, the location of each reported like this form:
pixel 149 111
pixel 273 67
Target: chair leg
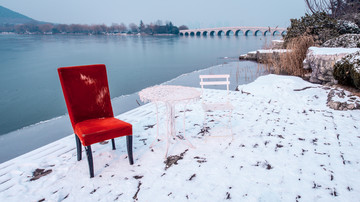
pixel 113 144
pixel 129 149
pixel 90 160
pixel 78 147
pixel 230 125
pixel 205 121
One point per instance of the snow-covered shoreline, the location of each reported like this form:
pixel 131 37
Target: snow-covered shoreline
pixel 288 145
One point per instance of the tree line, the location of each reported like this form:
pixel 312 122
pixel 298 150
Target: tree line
pixel 47 28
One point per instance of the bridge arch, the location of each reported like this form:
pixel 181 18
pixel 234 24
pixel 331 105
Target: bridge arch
pixel 247 32
pixel 267 33
pixel 212 33
pixel 283 33
pixel 276 33
pixel 258 33
pixel 205 33
pixel 181 34
pixel 192 33
pixel 198 33
pixel 239 32
pixel 186 33
pixel 220 33
pixel 229 33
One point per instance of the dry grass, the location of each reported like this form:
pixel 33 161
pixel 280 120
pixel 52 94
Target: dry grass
pixel 291 61
pixel 267 44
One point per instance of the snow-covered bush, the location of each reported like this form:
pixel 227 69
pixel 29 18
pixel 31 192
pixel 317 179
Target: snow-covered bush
pixel 347 70
pixel 319 25
pixel 352 16
pixel 345 41
pixel 347 27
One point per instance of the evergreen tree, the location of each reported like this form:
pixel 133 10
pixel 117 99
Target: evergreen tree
pixel 142 27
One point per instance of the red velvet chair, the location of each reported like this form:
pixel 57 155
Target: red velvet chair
pixel 87 98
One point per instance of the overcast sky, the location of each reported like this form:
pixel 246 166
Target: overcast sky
pixel 193 13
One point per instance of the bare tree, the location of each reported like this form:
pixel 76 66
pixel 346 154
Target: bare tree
pixel 159 23
pixel 46 28
pixel 63 28
pixel 333 8
pixel 122 27
pixel 114 28
pixel 133 27
pixel 326 6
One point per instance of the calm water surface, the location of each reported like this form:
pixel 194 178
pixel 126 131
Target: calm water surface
pixel 30 91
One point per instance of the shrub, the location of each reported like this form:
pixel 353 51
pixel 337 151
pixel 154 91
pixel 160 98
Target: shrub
pixel 291 61
pixel 319 25
pixel 352 16
pixel 347 70
pixel 355 76
pixel 347 27
pixel 342 72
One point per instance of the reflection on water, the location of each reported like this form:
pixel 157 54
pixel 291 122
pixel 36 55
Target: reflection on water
pixel 30 91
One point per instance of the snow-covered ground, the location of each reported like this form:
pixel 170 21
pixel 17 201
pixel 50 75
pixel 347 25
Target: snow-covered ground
pixel 272 51
pixel 288 146
pixel 332 51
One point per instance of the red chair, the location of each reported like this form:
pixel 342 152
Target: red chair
pixel 87 98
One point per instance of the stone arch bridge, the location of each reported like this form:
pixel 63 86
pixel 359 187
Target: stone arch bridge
pixel 236 31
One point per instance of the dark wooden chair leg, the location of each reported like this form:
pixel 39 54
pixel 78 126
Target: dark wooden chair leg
pixel 113 143
pixel 78 148
pixel 90 160
pixel 129 149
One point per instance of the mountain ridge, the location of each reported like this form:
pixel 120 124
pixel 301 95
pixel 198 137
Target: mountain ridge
pixel 8 16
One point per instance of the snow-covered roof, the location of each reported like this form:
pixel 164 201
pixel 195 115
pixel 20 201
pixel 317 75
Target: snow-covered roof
pixel 288 145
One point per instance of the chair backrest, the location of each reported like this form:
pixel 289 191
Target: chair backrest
pixel 86 92
pixel 212 80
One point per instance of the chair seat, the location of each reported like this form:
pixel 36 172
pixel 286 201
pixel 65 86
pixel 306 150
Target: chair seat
pixel 217 106
pixel 97 130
